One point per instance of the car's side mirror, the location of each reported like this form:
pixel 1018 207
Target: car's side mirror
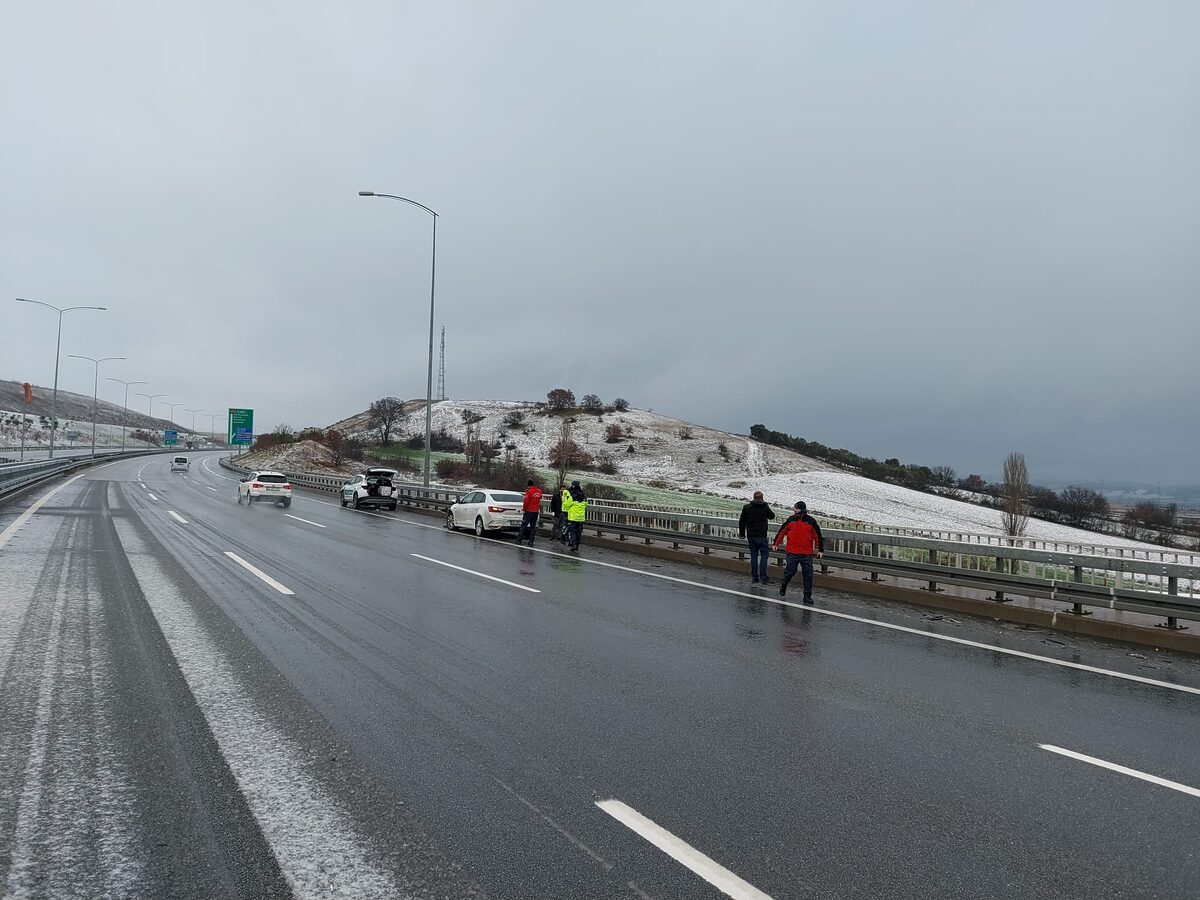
pixel 244 480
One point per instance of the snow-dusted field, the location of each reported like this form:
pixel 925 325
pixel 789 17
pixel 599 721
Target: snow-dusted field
pixel 661 455
pixel 850 496
pixel 35 437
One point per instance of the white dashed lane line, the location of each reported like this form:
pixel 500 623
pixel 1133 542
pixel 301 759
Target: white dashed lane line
pixel 305 521
pixel 177 517
pixel 713 872
pixel 259 573
pixel 519 587
pixel 1124 770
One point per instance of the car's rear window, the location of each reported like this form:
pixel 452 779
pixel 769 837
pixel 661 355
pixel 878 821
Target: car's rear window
pixel 181 459
pixel 272 479
pixel 502 497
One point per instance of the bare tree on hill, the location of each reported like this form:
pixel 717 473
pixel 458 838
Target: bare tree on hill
pixel 383 416
pixel 1014 495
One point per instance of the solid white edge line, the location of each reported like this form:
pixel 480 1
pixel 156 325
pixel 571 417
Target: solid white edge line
pixel 682 852
pixel 1124 770
pixel 305 521
pixel 473 572
pixel 177 517
pixel 24 517
pixel 963 642
pixel 259 573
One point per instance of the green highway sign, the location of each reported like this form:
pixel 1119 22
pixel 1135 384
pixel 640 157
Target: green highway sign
pixel 170 438
pixel 241 426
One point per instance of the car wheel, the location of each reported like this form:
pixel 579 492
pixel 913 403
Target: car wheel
pixel 479 526
pixel 392 508
pixel 450 526
pixel 287 504
pixel 354 502
pixel 345 502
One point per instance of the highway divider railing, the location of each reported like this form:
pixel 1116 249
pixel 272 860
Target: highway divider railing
pixel 1079 580
pixel 20 475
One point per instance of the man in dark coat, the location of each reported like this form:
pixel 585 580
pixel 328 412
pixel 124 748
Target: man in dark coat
pixel 752 525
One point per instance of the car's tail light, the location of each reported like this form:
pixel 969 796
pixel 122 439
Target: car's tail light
pixel 256 485
pixel 495 509
pixel 286 487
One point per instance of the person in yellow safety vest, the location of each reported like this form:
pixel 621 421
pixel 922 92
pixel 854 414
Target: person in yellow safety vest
pixel 574 504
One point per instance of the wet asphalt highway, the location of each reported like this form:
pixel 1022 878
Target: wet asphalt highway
pixel 398 725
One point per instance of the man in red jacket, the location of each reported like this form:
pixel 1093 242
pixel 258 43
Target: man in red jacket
pixel 530 507
pixel 802 536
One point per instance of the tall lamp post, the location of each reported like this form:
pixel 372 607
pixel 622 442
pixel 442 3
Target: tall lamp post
pixel 125 415
pixel 172 414
pixel 212 427
pixel 432 282
pixel 151 398
pixel 57 352
pixel 95 388
pixel 193 412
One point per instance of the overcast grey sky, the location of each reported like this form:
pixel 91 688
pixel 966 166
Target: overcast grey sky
pixel 932 230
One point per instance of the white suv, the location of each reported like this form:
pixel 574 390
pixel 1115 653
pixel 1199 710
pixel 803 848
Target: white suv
pixel 271 486
pixel 376 486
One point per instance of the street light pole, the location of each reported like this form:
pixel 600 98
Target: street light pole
pixel 193 412
pixel 212 427
pixel 57 353
pixel 172 413
pixel 95 388
pixel 432 282
pixel 150 411
pixel 125 414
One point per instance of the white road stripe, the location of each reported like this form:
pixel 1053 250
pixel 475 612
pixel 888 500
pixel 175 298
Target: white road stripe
pixel 152 497
pixel 218 474
pixel 321 850
pixel 259 573
pixel 479 574
pixel 1080 667
pixel 28 514
pixel 177 517
pixel 305 521
pixel 712 872
pixel 1124 770
pixel 213 489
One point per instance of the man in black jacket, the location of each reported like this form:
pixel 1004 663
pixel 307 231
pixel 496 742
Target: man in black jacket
pixel 752 525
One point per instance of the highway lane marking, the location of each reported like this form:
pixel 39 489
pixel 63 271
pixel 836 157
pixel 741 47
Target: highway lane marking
pixel 34 507
pixel 152 497
pixel 314 834
pixel 305 521
pixel 473 572
pixel 1124 770
pixel 259 573
pixel 177 517
pixel 213 489
pixel 682 852
pixel 963 642
pixel 218 474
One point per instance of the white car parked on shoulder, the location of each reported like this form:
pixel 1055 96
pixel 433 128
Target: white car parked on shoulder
pixel 376 486
pixel 485 510
pixel 271 486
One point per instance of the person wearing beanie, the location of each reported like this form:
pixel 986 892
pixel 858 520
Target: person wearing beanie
pixel 801 536
pixel 574 504
pixel 531 505
pixel 752 525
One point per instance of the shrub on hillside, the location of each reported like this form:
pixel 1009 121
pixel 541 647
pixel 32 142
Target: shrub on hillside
pixel 570 454
pixel 597 490
pixel 591 403
pixel 614 434
pixel 685 432
pixel 560 398
pixel 515 419
pixel 606 465
pixel 620 404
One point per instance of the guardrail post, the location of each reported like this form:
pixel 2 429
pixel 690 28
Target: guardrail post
pixel 1172 624
pixel 874 553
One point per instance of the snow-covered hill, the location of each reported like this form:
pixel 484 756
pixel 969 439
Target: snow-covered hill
pixel 663 457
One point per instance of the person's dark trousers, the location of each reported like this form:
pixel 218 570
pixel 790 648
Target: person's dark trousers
pixel 804 563
pixel 529 522
pixel 575 529
pixel 760 555
pixel 559 532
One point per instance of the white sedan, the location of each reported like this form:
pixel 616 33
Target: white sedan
pixel 484 511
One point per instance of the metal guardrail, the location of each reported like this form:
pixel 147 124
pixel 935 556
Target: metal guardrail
pixel 17 476
pixel 1143 585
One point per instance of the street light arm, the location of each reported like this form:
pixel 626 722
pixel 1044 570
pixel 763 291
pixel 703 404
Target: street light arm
pixel 58 309
pixel 398 197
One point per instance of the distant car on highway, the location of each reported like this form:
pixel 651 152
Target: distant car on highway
pixel 374 487
pixel 271 486
pixel 179 464
pixel 486 510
